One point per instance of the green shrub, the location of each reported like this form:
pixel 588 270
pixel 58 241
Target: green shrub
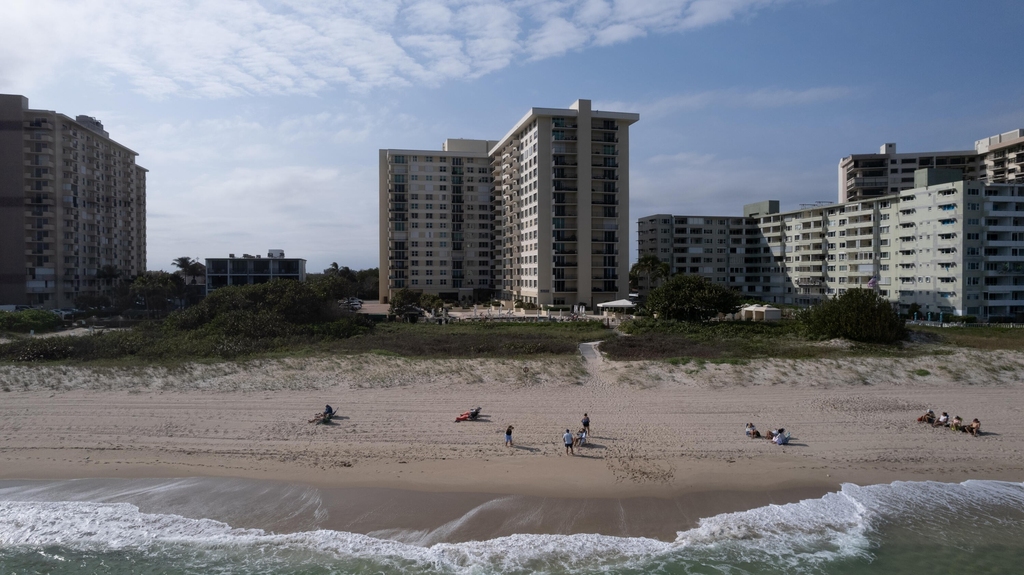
pixel 341 329
pixel 960 319
pixel 858 315
pixel 690 298
pixel 28 320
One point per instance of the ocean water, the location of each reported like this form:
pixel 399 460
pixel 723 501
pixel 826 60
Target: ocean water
pixel 973 527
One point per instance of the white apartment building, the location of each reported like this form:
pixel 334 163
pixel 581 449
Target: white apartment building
pixel 997 159
pixel 436 221
pixel 72 208
pixel 948 245
pixel 558 197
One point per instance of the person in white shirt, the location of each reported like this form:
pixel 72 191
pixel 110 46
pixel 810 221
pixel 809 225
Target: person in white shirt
pixel 568 439
pixel 942 421
pixel 781 438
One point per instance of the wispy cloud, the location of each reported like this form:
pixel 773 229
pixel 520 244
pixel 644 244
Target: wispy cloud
pixel 221 48
pixel 754 99
pixel 707 184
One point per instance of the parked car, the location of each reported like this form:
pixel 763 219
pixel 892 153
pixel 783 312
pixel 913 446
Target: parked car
pixel 66 313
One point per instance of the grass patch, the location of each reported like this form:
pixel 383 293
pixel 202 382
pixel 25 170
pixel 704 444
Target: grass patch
pixel 921 372
pixel 985 338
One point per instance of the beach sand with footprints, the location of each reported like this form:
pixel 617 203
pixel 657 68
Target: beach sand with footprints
pixel 661 431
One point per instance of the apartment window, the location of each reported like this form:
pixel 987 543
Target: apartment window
pixel 973 236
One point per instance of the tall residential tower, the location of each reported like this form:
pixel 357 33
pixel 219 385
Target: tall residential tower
pixel 72 207
pixel 553 204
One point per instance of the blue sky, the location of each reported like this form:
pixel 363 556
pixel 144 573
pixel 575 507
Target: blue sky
pixel 260 120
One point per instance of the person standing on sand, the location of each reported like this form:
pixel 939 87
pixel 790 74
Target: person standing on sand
pixel 568 439
pixel 586 424
pixel 508 436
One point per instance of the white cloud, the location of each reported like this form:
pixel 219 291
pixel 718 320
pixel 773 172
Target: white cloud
pixel 223 48
pixel 556 37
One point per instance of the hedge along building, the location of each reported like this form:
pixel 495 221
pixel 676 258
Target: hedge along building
pixel 948 245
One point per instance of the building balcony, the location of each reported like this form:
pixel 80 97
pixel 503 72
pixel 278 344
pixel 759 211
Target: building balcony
pixel 602 138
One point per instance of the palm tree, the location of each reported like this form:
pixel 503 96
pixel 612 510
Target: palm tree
pixel 183 264
pixel 108 273
pixel 188 267
pixel 651 267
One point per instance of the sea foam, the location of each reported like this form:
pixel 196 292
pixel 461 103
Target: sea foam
pixel 799 535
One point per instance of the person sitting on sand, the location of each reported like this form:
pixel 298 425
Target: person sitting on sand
pixel 770 435
pixel 928 417
pixel 957 424
pixel 942 421
pixel 581 437
pixel 781 437
pixel 324 416
pixel 974 428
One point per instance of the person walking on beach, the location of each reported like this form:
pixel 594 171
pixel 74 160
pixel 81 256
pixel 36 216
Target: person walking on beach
pixel 508 436
pixel 568 439
pixel 586 424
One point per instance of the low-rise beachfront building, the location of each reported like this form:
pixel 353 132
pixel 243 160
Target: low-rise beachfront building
pixel 72 208
pixel 997 159
pixel 724 249
pixel 250 269
pixel 948 245
pixel 542 223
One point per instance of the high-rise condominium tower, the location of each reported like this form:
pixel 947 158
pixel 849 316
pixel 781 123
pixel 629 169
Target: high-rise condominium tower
pixel 72 207
pixel 546 223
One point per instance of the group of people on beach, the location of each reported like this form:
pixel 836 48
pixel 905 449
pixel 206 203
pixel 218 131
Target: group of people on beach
pixel 568 438
pixel 777 436
pixel 956 424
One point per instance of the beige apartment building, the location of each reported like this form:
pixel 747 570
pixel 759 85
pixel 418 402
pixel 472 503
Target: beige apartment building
pixel 997 159
pixel 557 211
pixel 948 245
pixel 72 207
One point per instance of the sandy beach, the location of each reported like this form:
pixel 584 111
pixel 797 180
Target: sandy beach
pixel 661 432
